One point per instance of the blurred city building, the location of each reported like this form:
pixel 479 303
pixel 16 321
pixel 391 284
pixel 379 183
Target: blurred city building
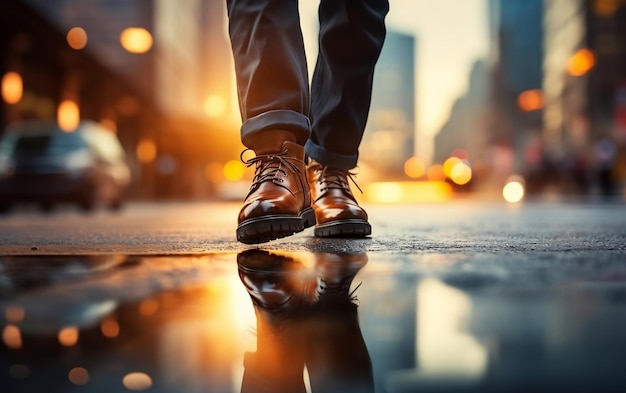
pixel 389 138
pixel 584 74
pixel 466 131
pixel 157 72
pixel 606 91
pixel 516 100
pixel 487 127
pixel 549 103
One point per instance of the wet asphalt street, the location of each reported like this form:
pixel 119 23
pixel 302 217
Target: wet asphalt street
pixel 464 296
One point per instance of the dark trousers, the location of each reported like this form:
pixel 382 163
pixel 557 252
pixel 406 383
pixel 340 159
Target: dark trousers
pixel 272 78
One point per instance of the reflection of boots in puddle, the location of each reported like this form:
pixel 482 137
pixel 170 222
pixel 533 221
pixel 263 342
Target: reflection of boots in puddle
pixel 277 286
pixel 335 273
pixel 337 358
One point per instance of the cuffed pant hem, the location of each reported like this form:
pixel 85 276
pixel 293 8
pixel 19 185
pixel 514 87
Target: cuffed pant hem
pixel 281 119
pixel 330 159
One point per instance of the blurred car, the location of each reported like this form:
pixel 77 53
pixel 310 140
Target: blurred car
pixel 41 163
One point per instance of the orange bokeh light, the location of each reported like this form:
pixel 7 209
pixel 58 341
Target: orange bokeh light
pixel 581 62
pixel 12 336
pixel 414 167
pixel 606 8
pixel 136 40
pixel 449 164
pixel 137 381
pixel 78 376
pixel 68 336
pixel 146 151
pixel 12 87
pixel 461 173
pixel 435 173
pixel 14 313
pixel 68 115
pixel 76 38
pixel 110 328
pixel 530 100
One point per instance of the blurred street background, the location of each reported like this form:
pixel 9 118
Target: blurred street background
pixel 490 98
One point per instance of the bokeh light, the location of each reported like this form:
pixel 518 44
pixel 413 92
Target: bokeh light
pixel 234 170
pixel 137 381
pixel 148 307
pixel 68 115
pixel 78 376
pixel 12 87
pixel 214 106
pixel 513 191
pixel 581 62
pixel 461 173
pixel 12 337
pixel 136 40
pixel 146 151
pixel 68 336
pixel 449 164
pixel 606 8
pixel 14 314
pixel 110 328
pixel 415 167
pixel 76 38
pixel 435 173
pixel 530 100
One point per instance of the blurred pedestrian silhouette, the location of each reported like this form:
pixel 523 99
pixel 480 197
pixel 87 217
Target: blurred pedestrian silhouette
pixel 305 138
pixel 304 319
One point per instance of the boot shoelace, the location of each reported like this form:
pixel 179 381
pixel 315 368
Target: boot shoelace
pixel 337 289
pixel 270 167
pixel 337 179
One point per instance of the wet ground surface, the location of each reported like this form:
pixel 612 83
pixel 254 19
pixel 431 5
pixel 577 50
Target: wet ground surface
pixel 478 300
pixel 90 324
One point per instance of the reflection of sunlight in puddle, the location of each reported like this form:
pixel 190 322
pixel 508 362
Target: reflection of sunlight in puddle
pixel 445 352
pixel 202 338
pixel 244 322
pixel 443 347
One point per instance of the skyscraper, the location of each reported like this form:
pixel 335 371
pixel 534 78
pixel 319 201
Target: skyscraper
pixel 389 138
pixel 517 52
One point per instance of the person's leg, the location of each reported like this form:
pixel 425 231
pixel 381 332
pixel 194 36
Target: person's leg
pixel 272 83
pixel 350 41
pixel 337 357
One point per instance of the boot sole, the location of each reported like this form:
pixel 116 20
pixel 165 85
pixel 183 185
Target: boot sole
pixel 271 227
pixel 344 228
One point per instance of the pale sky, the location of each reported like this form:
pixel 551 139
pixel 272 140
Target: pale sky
pixel 451 35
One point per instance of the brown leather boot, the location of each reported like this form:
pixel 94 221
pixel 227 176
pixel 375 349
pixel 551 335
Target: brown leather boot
pixel 279 201
pixel 336 210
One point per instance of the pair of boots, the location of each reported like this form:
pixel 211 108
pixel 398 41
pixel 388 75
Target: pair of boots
pixel 288 196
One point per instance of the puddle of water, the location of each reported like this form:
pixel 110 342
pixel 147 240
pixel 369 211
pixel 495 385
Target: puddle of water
pixel 261 321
